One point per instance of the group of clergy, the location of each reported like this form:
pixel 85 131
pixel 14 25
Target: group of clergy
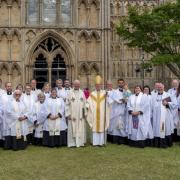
pixel 59 116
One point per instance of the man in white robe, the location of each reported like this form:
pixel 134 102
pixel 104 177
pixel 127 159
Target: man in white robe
pixel 163 124
pixel 60 90
pixel 173 93
pixel 1 125
pixel 98 114
pixel 29 100
pixel 173 90
pixel 155 90
pixel 119 114
pixel 16 129
pixel 109 92
pixel 75 112
pixel 34 89
pixel 5 99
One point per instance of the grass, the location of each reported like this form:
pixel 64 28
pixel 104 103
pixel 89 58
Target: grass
pixel 110 162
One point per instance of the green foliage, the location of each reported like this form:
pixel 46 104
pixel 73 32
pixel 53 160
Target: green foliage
pixel 157 32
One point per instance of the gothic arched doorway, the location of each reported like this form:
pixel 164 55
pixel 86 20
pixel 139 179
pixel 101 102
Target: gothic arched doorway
pixel 49 63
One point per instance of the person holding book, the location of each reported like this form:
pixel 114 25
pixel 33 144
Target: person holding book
pixel 162 113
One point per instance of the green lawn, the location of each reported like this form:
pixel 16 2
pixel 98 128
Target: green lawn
pixel 110 162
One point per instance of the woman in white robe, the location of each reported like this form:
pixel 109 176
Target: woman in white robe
pixel 150 136
pixel 138 118
pixel 47 90
pixel 162 112
pixel 38 119
pixel 16 130
pixel 55 127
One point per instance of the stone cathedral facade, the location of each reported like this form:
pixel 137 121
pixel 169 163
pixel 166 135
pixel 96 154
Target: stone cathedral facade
pixel 74 39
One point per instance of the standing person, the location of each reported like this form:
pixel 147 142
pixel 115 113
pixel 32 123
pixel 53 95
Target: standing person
pixel 75 111
pixel 150 136
pixel 86 92
pixel 155 90
pixel 1 90
pixel 16 128
pixel 109 93
pixel 177 115
pixel 34 89
pixel 67 84
pixel 39 119
pixel 163 124
pixel 98 113
pixel 1 126
pixel 29 99
pixel 173 93
pixel 60 90
pixel 55 127
pixel 5 99
pixel 47 90
pixel 119 114
pixel 174 85
pixel 138 118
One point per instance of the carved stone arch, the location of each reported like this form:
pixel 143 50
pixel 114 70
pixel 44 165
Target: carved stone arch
pixel 59 51
pixel 4 32
pixel 4 66
pixel 84 34
pixel 96 35
pixel 17 67
pixel 84 69
pixel 83 2
pixel 36 54
pixel 17 33
pixel 60 42
pixel 1 1
pixel 18 2
pixel 52 34
pixel 94 69
pixel 96 2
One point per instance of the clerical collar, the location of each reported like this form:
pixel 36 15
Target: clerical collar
pixel 17 100
pixel 33 89
pixel 59 88
pixel 46 92
pixel 67 88
pixel 41 102
pixel 120 89
pixel 137 94
pixel 9 93
pixel 53 97
pixel 28 94
pixel 159 93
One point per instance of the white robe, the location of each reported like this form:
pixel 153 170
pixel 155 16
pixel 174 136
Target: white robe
pixel 61 93
pixel 75 110
pixel 29 101
pixel 98 116
pixel 177 116
pixel 138 130
pixel 38 107
pixel 53 107
pixel 13 126
pixel 5 101
pixel 163 124
pixel 118 115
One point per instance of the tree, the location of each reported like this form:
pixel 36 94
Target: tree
pixel 157 32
